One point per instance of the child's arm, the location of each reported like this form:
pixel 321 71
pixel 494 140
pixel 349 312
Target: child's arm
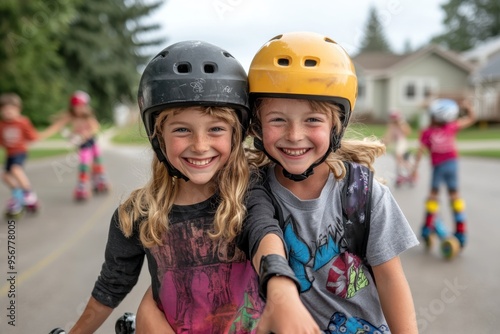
pixel 284 311
pixel 420 151
pixel 395 297
pixel 469 118
pixel 150 319
pixel 55 127
pixel 92 317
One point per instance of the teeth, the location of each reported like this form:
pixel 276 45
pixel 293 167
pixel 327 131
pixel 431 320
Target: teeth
pixel 199 162
pixel 294 152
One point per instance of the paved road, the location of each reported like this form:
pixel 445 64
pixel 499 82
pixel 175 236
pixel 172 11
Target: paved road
pixel 59 251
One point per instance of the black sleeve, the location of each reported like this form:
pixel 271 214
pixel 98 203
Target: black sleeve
pixel 262 218
pixel 123 260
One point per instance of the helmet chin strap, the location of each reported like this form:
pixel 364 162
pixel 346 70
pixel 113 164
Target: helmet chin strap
pixel 163 159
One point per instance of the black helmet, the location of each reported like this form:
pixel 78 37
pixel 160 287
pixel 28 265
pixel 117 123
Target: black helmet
pixel 192 73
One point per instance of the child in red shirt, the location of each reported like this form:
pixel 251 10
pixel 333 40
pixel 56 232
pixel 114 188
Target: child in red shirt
pixel 16 131
pixel 439 140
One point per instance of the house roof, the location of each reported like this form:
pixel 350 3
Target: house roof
pixel 489 72
pixel 384 64
pixel 377 60
pixel 484 51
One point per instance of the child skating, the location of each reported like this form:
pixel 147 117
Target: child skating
pixel 396 138
pixel 82 132
pixel 16 132
pixel 439 140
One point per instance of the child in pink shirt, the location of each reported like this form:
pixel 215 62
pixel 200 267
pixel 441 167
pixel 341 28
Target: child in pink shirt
pixel 439 139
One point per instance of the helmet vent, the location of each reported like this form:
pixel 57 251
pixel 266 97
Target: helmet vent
pixel 310 63
pixel 283 61
pixel 227 54
pixel 209 68
pixel 184 68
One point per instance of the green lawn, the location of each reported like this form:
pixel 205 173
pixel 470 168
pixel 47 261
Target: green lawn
pixel 495 154
pixel 134 134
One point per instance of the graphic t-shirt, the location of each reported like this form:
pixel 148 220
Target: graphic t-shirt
pixel 441 142
pixel 336 286
pixel 202 285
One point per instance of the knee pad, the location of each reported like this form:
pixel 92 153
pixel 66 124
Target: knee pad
pixel 458 205
pixel 432 206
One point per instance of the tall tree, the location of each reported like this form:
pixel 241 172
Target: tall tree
pixel 374 35
pixel 469 22
pixel 30 33
pixel 102 50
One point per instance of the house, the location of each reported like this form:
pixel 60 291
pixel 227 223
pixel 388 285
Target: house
pixel 486 78
pixel 406 82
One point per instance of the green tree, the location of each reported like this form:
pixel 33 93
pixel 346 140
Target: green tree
pixel 468 22
pixel 374 38
pixel 103 50
pixel 30 33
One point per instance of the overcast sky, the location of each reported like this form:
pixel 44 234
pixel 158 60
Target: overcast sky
pixel 243 26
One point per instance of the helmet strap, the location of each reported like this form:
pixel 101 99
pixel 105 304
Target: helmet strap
pixel 163 159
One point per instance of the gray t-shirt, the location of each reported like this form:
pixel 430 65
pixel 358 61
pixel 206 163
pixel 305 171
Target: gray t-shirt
pixel 336 287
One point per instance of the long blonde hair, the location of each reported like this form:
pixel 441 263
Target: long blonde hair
pixel 148 207
pixel 362 151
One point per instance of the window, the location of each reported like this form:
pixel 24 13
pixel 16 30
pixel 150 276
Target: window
pixel 410 91
pixel 415 90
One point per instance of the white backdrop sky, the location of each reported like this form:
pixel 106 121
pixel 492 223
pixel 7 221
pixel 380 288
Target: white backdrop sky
pixel 243 26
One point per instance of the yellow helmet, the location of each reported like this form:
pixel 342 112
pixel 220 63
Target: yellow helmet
pixel 306 65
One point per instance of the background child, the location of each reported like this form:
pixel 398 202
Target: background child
pixel 16 131
pixel 439 139
pixel 83 132
pixel 304 87
pixel 396 136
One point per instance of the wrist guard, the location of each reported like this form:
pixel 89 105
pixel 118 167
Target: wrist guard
pixel 274 265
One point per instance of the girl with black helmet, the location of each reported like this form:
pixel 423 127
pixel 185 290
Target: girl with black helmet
pixel 193 99
pixel 303 87
pixel 439 140
pixel 83 131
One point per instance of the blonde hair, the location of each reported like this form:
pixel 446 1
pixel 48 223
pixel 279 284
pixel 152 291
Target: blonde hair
pixel 362 151
pixel 148 207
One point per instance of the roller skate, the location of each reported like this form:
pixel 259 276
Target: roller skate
pixel 100 184
pixel 434 228
pixel 30 202
pixel 82 192
pixel 14 208
pixel 404 171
